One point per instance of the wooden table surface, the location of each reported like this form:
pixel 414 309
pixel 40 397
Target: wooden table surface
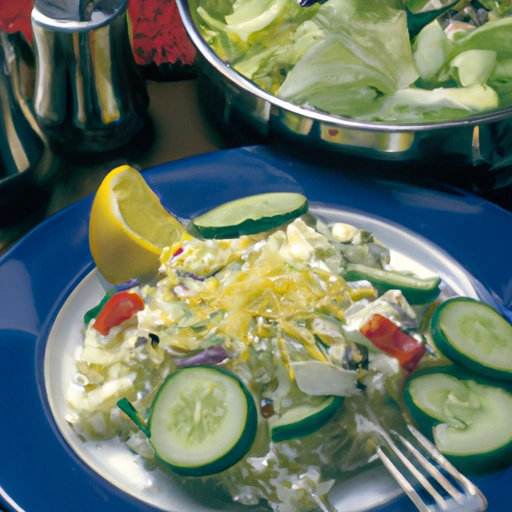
pixel 178 129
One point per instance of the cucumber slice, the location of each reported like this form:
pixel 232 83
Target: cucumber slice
pixel 304 420
pixel 475 336
pixel 250 215
pixel 416 290
pixel 202 421
pixel 468 418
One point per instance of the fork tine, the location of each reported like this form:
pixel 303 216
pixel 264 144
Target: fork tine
pixel 432 470
pixel 415 472
pixel 402 482
pixel 472 489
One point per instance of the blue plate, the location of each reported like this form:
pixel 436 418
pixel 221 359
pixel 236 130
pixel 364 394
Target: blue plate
pixel 38 470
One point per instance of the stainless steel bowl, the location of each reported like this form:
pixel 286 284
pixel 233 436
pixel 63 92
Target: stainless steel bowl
pixel 240 104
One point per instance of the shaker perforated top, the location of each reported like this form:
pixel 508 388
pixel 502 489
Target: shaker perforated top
pixel 76 15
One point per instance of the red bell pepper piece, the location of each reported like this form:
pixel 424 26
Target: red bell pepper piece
pixel 387 336
pixel 119 308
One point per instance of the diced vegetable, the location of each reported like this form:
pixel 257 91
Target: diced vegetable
pixel 387 336
pixel 202 421
pixel 415 289
pixel 211 355
pixel 468 418
pixel 343 232
pixel 304 420
pixel 475 336
pixel 119 308
pixel 250 215
pixel 131 283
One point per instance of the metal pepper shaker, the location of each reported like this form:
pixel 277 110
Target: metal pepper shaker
pixel 89 95
pixel 21 144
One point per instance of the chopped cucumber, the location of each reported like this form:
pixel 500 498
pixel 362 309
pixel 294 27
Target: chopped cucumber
pixel 304 420
pixel 415 289
pixel 475 336
pixel 202 421
pixel 250 215
pixel 468 418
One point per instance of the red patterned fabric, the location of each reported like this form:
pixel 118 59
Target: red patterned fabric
pixel 158 33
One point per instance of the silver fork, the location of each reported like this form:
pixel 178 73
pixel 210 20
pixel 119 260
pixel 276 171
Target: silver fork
pixel 446 488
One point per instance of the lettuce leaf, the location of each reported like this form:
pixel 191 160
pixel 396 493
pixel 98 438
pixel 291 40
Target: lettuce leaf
pixel 430 51
pixel 366 55
pixel 248 16
pixel 495 35
pixel 261 60
pixel 413 104
pixel 473 66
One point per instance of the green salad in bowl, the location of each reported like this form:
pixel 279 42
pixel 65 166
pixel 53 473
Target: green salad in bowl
pixel 404 61
pixel 250 362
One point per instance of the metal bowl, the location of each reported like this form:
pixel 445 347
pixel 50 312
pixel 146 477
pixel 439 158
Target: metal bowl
pixel 240 104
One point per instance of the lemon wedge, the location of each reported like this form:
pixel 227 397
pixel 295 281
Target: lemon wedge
pixel 129 228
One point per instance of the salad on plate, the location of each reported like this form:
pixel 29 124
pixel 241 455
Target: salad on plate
pixel 401 61
pixel 257 352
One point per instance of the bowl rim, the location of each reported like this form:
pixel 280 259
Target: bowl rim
pixel 332 119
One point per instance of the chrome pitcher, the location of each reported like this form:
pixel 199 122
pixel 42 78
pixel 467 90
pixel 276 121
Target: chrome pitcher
pixel 89 95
